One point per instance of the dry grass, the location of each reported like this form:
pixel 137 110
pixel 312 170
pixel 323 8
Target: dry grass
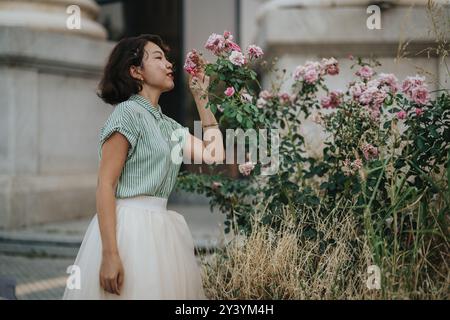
pixel 286 265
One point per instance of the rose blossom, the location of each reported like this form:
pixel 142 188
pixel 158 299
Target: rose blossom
pixel 254 52
pixel 220 44
pixel 357 164
pixel 365 72
pixel 311 75
pixel 369 151
pixel 373 96
pixel 261 103
pixel 411 82
pixel 350 168
pixel 330 66
pixel 231 46
pixel 420 95
pixel 192 62
pixel 215 43
pixel 310 72
pixel 389 80
pixel 401 115
pixel 265 94
pixel 229 92
pixel 419 112
pixel 374 114
pixel 246 168
pixel 356 89
pixel 416 89
pixel 333 100
pixel 246 97
pixel 285 97
pixel 237 58
pixel 227 35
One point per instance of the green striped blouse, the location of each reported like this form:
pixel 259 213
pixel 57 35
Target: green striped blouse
pixel 149 168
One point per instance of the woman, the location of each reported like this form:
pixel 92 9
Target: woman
pixel 134 247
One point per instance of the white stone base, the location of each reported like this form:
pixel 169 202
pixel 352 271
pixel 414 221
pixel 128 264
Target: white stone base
pixel 31 200
pixel 50 119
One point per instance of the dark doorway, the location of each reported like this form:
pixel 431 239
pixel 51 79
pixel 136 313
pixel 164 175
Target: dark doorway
pixel 164 18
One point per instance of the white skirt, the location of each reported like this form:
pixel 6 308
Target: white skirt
pixel 156 249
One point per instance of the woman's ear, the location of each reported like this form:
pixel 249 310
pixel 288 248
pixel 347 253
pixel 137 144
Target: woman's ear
pixel 135 73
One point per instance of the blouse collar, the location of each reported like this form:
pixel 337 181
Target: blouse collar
pixel 155 110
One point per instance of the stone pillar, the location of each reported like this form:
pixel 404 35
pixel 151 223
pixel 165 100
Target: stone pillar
pixel 51 15
pixel 299 30
pixel 50 114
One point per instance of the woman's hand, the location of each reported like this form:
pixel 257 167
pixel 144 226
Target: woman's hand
pixel 111 273
pixel 199 84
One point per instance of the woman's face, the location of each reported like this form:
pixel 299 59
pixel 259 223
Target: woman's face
pixel 156 68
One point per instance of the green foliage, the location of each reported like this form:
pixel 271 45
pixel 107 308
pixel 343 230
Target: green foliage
pixel 399 194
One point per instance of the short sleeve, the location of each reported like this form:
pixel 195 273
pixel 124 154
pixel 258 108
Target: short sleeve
pixel 124 121
pixel 180 132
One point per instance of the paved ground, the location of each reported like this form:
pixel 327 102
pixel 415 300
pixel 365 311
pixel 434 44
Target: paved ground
pixel 37 257
pixel 37 278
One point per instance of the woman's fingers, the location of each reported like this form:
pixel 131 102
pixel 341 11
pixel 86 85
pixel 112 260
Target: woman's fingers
pixel 102 283
pixel 119 282
pixel 114 286
pixel 107 287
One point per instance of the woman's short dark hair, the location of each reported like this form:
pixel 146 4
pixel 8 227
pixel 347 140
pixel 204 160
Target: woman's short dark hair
pixel 117 84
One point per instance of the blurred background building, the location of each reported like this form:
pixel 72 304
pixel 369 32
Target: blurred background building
pixel 50 116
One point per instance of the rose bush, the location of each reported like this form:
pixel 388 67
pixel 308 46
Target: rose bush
pixel 385 156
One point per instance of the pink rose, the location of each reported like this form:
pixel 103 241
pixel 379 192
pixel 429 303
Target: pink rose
pixel 216 43
pixel 192 63
pixel 311 76
pixel 373 96
pixel 227 35
pixel 375 114
pixel 237 58
pixel 369 151
pixel 261 103
pixel 357 164
pixel 285 98
pixel 326 102
pixel 389 80
pixel 365 72
pixel 401 115
pixel 416 89
pixel 254 52
pixel 246 168
pixel 310 72
pixel 419 112
pixel 246 97
pixel 330 66
pixel 333 100
pixel 229 91
pixel 411 82
pixel 420 95
pixel 350 168
pixel 357 89
pixel 233 46
pixel 265 94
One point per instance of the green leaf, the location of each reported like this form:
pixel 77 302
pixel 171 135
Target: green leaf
pixel 261 118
